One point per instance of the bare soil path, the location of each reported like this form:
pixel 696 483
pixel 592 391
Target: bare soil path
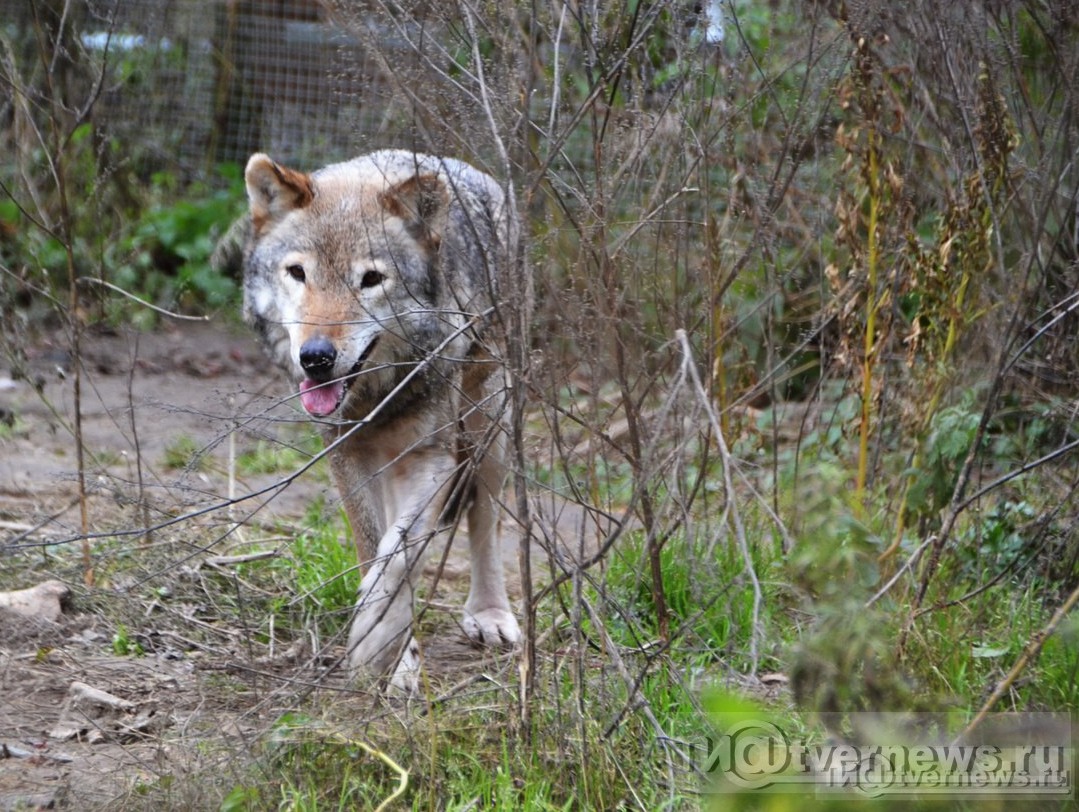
pixel 200 694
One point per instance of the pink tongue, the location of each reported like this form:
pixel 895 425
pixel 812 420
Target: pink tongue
pixel 320 399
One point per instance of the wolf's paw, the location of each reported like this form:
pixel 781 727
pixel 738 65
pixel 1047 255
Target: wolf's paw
pixel 400 680
pixel 406 677
pixel 492 627
pixel 378 646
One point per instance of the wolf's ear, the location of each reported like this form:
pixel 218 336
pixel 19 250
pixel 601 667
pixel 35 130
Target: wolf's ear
pixel 423 202
pixel 273 191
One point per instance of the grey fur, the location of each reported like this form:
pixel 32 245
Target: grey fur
pixel 459 284
pixel 381 276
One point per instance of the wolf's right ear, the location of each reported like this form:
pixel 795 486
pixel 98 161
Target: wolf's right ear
pixel 273 190
pixel 423 202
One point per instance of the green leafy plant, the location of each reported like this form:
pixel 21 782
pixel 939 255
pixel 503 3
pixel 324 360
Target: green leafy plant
pixel 165 256
pixel 951 435
pixel 995 544
pixel 123 645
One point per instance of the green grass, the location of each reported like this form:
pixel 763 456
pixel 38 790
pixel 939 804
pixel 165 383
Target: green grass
pixel 269 458
pixel 11 425
pixel 596 740
pixel 283 455
pixel 325 566
pixel 185 453
pixel 706 590
pixel 463 755
pixel 315 579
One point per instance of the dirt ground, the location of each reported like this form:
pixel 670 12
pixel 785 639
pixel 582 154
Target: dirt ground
pixel 192 704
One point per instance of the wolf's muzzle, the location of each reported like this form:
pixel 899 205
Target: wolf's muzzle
pixel 317 357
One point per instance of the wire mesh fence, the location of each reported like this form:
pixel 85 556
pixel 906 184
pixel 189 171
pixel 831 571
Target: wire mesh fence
pixel 185 85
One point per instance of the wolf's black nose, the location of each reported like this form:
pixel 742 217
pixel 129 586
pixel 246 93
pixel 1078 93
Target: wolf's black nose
pixel 317 357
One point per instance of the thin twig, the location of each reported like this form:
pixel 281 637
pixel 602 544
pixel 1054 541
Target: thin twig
pixel 402 773
pixel 142 302
pixel 1030 653
pixel 908 564
pixel 732 502
pixel 611 650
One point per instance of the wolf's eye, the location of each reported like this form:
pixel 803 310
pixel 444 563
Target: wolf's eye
pixel 296 272
pixel 371 278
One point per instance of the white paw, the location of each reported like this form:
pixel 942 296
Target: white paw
pixel 406 677
pixel 492 627
pixel 377 646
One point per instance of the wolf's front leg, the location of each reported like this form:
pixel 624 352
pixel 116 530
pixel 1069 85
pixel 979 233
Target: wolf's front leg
pixel 380 641
pixel 488 618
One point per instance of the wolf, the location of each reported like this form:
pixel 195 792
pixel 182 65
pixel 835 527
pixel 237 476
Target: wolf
pixel 378 285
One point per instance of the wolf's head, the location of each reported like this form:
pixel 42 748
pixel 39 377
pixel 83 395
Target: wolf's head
pixel 342 276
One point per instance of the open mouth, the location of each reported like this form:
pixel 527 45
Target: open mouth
pixel 322 398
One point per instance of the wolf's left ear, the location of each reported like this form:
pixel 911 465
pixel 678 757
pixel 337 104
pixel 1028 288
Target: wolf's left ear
pixel 423 202
pixel 273 190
